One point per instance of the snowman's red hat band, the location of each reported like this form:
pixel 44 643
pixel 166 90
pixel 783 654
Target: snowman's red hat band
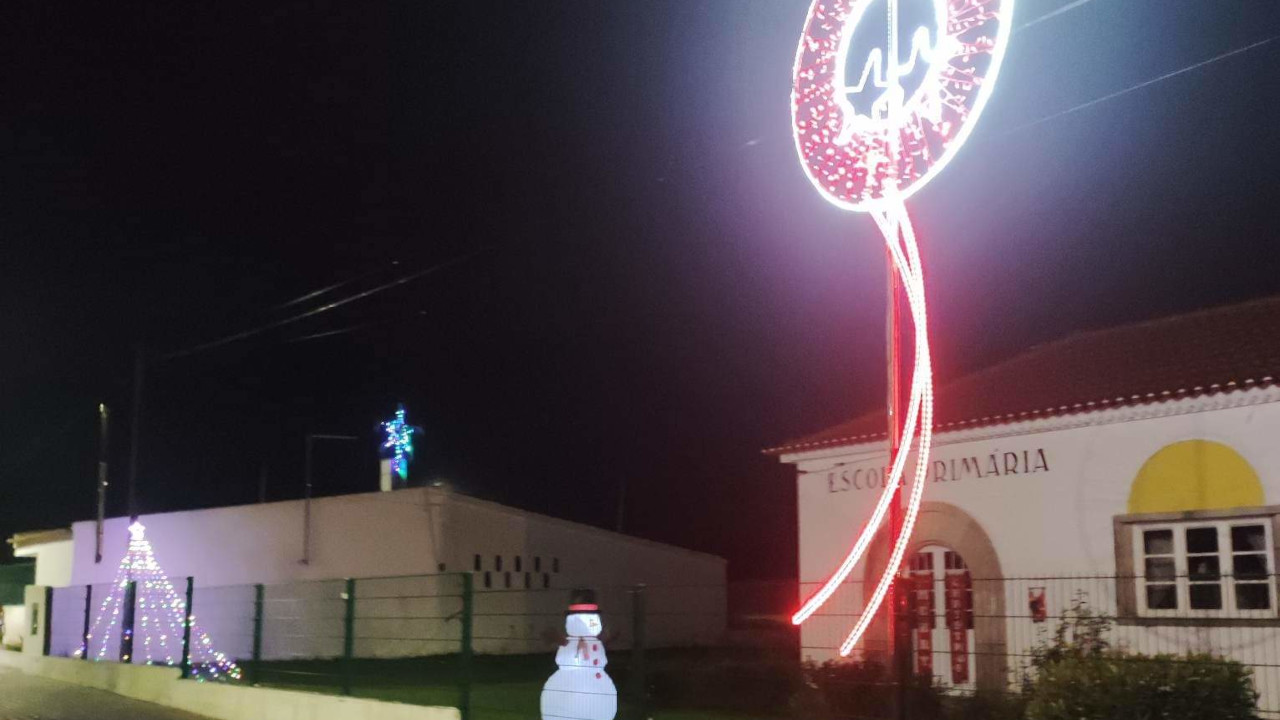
pixel 584 607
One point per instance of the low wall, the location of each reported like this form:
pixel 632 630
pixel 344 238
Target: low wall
pixel 161 685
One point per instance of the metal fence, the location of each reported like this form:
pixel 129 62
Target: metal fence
pixel 959 636
pixel 427 639
pixel 437 640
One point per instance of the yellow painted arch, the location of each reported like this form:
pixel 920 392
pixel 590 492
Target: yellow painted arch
pixel 1195 475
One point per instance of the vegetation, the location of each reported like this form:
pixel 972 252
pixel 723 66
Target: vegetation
pixel 1075 673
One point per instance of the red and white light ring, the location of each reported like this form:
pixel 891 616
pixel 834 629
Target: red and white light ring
pixel 872 164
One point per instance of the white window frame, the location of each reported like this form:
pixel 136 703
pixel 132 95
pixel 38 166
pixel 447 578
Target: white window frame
pixel 1182 580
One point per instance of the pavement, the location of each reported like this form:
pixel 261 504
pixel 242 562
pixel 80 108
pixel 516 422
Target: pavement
pixel 26 697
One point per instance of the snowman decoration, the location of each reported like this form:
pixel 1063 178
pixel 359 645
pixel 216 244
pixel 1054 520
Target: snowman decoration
pixel 580 689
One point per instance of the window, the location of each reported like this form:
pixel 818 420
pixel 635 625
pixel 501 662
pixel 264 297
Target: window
pixel 441 567
pixel 506 580
pixel 537 564
pixel 1211 568
pixel 555 565
pixel 497 562
pixel 519 564
pixel 528 581
pixel 488 579
pixel 546 581
pixel 477 567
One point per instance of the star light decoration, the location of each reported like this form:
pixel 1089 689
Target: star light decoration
pixel 161 612
pixel 399 441
pixel 872 163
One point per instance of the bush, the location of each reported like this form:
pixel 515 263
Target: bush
pixel 757 683
pixel 987 705
pixel 863 689
pixel 1112 684
pixel 1079 675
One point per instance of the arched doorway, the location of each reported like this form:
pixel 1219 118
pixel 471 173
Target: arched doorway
pixel 941 602
pixel 949 528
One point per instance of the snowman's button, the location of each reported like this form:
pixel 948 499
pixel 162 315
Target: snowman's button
pixel 595 648
pixel 596 661
pixel 597 676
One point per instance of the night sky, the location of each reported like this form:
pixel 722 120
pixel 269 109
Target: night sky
pixel 647 290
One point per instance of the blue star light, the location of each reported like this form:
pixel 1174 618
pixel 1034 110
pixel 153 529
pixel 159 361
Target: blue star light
pixel 400 441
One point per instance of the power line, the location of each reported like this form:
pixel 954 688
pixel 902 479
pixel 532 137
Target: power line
pixel 350 329
pixel 330 288
pixel 1053 13
pixel 1143 84
pixel 323 308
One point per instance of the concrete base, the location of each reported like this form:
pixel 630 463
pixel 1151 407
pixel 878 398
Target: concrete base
pixel 162 685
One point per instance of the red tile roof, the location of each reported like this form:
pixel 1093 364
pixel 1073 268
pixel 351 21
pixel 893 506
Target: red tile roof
pixel 1220 350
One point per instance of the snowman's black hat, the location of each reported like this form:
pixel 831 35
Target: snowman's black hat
pixel 582 600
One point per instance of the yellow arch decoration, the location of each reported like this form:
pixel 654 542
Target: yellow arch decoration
pixel 1195 475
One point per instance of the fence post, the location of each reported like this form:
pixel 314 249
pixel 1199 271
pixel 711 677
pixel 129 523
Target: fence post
pixel 48 620
pixel 88 605
pixel 464 655
pixel 637 687
pixel 348 635
pixel 126 621
pixel 258 592
pixel 186 628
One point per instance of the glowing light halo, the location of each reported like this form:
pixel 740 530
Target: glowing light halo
pixel 866 163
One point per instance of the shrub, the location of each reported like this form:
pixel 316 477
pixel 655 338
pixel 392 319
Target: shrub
pixel 987 705
pixel 756 683
pixel 865 689
pixel 1112 684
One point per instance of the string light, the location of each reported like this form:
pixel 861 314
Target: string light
pixel 161 617
pixel 873 163
pixel 400 441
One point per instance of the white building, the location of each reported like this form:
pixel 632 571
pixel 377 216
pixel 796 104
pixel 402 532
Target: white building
pixel 408 550
pixel 51 551
pixel 1136 468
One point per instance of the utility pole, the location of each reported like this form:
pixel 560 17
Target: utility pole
pixel 899 637
pixel 306 506
pixel 103 416
pixel 898 650
pixel 138 372
pixel 622 503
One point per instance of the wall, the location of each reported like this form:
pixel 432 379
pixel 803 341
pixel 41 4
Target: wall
pixel 685 595
pixel 1047 505
pixel 431 535
pixel 53 561
pixel 15 626
pixel 362 535
pixel 34 602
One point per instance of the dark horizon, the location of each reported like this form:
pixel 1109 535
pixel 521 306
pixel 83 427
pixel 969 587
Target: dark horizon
pixel 646 289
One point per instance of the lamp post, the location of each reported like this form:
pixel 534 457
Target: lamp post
pixel 306 507
pixel 870 158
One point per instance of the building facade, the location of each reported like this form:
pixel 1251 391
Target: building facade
pixel 408 550
pixel 1134 470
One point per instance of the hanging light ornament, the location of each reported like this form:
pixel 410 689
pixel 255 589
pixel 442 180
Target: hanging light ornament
pixel 872 162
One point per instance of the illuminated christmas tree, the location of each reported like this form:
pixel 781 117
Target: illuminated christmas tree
pixel 159 616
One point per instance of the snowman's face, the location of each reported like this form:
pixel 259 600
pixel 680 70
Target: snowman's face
pixel 583 624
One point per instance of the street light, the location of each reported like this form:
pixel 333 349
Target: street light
pixel 306 511
pixel 870 158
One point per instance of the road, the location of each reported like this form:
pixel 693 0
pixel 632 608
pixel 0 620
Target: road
pixel 25 697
